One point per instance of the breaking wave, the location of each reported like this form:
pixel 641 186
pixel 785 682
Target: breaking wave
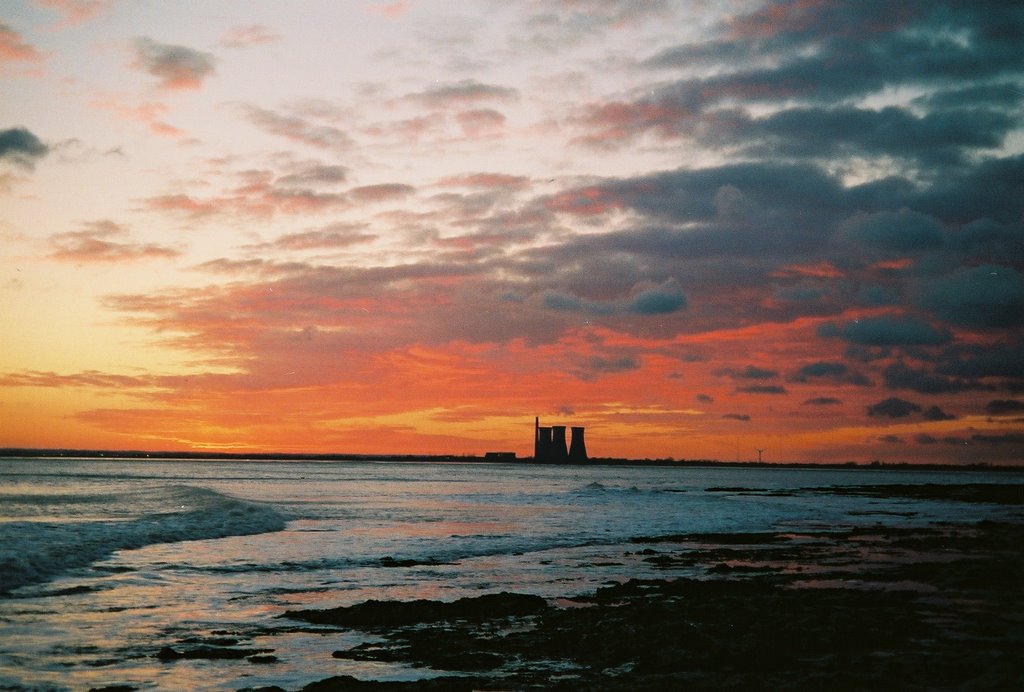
pixel 40 549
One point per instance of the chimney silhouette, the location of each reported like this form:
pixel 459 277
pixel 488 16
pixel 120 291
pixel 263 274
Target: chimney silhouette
pixel 577 448
pixel 558 451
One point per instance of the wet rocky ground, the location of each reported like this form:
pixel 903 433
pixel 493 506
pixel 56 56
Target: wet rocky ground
pixel 935 607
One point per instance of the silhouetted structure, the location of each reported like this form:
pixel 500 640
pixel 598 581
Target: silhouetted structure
pixel 549 444
pixel 577 448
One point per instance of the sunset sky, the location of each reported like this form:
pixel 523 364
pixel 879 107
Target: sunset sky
pixel 698 229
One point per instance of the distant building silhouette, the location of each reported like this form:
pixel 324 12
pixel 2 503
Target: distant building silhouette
pixel 549 444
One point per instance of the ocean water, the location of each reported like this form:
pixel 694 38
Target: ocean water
pixel 104 562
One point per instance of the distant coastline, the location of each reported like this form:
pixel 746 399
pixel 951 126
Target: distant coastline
pixel 35 453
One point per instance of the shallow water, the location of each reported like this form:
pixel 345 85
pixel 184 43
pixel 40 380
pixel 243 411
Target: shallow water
pixel 106 561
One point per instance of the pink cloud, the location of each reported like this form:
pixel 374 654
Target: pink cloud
pixel 481 121
pixel 148 114
pixel 248 35
pixel 486 180
pixel 14 49
pixel 585 201
pixel 391 10
pixel 105 241
pixel 76 11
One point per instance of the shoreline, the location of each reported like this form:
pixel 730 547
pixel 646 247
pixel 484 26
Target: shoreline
pixel 71 454
pixel 858 608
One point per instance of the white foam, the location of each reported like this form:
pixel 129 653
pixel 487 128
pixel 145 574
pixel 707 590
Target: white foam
pixel 38 550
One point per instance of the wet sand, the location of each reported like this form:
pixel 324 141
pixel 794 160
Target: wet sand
pixel 937 607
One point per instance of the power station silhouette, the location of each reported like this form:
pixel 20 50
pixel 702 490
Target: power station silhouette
pixel 549 444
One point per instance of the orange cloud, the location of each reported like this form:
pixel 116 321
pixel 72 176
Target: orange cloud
pixel 105 241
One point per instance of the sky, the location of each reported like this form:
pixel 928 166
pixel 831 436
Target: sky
pixel 697 229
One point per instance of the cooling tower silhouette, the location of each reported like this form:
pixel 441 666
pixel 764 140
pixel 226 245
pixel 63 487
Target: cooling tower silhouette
pixel 549 444
pixel 577 448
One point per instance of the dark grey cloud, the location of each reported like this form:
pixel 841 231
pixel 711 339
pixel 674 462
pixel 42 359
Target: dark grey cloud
pixel 942 137
pixel 750 372
pixel 20 147
pixel 831 371
pixel 1002 407
pixel 887 331
pixel 925 439
pixel 737 416
pixel 974 361
pixel 934 413
pixel 1001 439
pixel 705 399
pixel 987 296
pixel 762 389
pixel 902 376
pixel 900 231
pixel 823 401
pixel 893 407
pixel 656 300
pixel 177 67
pixel 596 366
pixel 890 439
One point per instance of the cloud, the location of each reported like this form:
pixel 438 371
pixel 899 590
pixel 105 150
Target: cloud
pixel 76 11
pixel 298 129
pixel 832 371
pixel 1002 407
pixel 463 93
pixel 823 401
pixel 105 241
pixel 737 416
pixel 763 389
pixel 149 114
pixel 705 399
pixel 381 192
pixel 900 376
pixel 314 174
pixel 480 121
pixel 934 413
pixel 177 67
pixel 988 297
pixel 14 49
pixel 486 180
pixel 661 299
pixel 333 237
pixel 893 408
pixel 1002 439
pixel 898 232
pixel 20 147
pixel 751 372
pixel 248 35
pixel 605 365
pixel 887 331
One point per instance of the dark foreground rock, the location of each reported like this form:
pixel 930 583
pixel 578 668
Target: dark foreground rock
pixel 384 614
pixel 932 608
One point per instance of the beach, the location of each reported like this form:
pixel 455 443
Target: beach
pixel 404 576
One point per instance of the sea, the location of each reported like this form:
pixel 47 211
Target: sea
pixel 104 562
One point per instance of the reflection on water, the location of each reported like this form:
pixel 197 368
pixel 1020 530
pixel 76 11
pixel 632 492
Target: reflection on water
pixel 352 532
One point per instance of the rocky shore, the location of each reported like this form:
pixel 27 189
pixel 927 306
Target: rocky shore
pixel 872 607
